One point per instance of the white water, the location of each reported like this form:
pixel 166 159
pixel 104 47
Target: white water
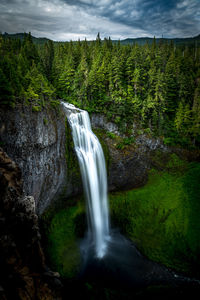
pixel 94 176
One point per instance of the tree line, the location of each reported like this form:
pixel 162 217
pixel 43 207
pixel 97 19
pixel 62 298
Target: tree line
pixel 153 88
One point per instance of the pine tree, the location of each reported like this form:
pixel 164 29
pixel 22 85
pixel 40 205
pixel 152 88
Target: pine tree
pixel 195 128
pixel 37 86
pixel 48 60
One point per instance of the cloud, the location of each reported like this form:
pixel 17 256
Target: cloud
pixel 156 17
pixel 73 19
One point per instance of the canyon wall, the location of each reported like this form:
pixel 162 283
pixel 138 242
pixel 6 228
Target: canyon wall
pixel 36 141
pixel 40 143
pixel 24 274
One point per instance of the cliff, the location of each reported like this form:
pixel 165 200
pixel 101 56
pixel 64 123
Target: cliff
pixel 40 143
pixel 36 141
pixel 128 159
pixel 23 274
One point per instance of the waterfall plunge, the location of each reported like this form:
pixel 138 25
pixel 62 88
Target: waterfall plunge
pixel 93 171
pixel 133 270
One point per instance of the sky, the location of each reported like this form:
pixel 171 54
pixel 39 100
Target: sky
pixel 64 20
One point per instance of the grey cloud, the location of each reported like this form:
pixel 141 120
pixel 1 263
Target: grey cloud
pixel 156 17
pixel 79 18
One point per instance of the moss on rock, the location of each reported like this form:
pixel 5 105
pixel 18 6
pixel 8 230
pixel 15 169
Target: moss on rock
pixel 70 155
pixel 101 134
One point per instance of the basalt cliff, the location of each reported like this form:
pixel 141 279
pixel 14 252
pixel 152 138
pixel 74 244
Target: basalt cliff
pixel 41 144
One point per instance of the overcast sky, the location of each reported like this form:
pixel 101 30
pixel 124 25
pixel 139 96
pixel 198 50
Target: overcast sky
pixel 119 19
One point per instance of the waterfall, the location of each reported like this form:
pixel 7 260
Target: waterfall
pixel 93 171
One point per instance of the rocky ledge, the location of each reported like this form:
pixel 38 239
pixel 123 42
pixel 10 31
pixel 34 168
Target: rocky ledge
pixel 127 164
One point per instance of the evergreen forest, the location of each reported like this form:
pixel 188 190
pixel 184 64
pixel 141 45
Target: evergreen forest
pixel 152 88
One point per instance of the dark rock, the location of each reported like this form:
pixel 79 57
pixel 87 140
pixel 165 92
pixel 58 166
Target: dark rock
pixel 39 149
pixel 100 121
pixel 22 261
pixel 128 167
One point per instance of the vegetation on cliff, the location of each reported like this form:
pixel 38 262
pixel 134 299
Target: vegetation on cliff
pixel 155 85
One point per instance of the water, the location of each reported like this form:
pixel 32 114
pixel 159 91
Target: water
pixel 121 268
pixel 93 171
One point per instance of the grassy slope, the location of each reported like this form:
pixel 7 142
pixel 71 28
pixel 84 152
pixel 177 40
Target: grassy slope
pixel 163 217
pixel 62 230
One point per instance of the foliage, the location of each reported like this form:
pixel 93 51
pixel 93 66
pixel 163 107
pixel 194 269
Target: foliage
pixel 36 108
pixel 111 135
pixel 22 75
pixel 155 86
pixel 45 121
pixel 125 142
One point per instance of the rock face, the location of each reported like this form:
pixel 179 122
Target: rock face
pixel 36 141
pixel 100 121
pixel 41 144
pixel 23 274
pixel 127 168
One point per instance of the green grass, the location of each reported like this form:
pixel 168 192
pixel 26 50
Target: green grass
pixel 163 216
pixel 62 231
pixel 45 121
pixel 36 108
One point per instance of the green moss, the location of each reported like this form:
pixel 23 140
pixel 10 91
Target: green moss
pixel 101 135
pixel 169 162
pixel 111 135
pixel 163 217
pixel 70 155
pixel 125 142
pixel 55 104
pixel 36 108
pixel 45 121
pixel 175 164
pixel 62 232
